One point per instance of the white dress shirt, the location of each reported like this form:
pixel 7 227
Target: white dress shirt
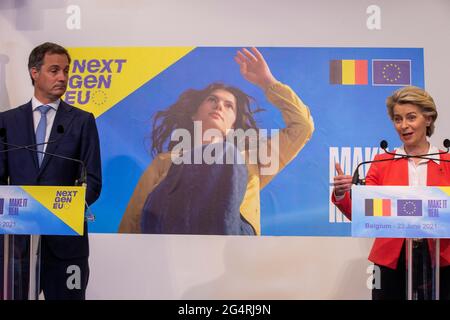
pixel 417 173
pixel 35 103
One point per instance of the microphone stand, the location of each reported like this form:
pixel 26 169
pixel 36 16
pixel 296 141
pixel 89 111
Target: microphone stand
pixel 356 180
pixel 82 181
pixel 383 145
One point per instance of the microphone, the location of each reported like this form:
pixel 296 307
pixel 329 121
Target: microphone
pixel 82 181
pixel 384 144
pixel 59 130
pixel 446 143
pixel 356 180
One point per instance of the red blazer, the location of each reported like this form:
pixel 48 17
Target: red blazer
pixel 386 251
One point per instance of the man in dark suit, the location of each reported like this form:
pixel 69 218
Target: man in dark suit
pixel 70 132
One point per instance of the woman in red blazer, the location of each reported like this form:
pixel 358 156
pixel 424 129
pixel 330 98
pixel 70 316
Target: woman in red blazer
pixel 413 113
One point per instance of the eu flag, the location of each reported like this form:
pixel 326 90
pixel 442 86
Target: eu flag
pixel 391 72
pixel 408 208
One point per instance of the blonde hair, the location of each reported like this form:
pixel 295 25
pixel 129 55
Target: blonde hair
pixel 418 97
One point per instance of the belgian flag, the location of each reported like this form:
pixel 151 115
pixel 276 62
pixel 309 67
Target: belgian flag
pixel 349 72
pixel 378 207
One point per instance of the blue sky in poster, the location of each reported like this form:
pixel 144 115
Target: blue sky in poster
pixel 296 202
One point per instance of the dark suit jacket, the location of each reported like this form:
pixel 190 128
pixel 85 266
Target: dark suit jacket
pixel 79 140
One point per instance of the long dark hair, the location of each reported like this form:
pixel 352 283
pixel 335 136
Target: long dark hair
pixel 179 115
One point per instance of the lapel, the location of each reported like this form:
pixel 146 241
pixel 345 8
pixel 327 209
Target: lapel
pixel 436 175
pixel 25 120
pixel 63 117
pixel 397 175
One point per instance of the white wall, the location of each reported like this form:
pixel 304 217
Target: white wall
pixel 229 267
pixel 198 267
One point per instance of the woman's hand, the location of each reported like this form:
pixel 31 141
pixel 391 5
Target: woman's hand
pixel 342 183
pixel 254 68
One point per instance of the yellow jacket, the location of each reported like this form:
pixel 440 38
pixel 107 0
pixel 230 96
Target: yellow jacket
pixel 298 131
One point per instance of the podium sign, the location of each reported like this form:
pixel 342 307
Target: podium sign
pixel 400 212
pixel 42 210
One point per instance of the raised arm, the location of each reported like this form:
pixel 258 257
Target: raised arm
pixel 254 68
pixel 284 146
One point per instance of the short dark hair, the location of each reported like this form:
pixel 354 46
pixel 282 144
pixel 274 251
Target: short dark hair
pixel 36 58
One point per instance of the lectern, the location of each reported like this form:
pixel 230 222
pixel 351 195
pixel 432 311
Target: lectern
pixel 420 214
pixel 26 213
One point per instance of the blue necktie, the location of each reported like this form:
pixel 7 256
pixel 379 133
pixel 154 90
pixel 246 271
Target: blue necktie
pixel 40 132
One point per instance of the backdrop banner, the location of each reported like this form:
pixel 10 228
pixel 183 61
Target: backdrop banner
pixel 344 88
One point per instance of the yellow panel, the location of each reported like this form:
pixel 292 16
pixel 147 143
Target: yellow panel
pixel 101 77
pixel 348 71
pixel 445 189
pixel 62 202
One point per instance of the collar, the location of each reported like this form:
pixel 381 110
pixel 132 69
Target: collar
pixel 36 103
pixel 432 149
